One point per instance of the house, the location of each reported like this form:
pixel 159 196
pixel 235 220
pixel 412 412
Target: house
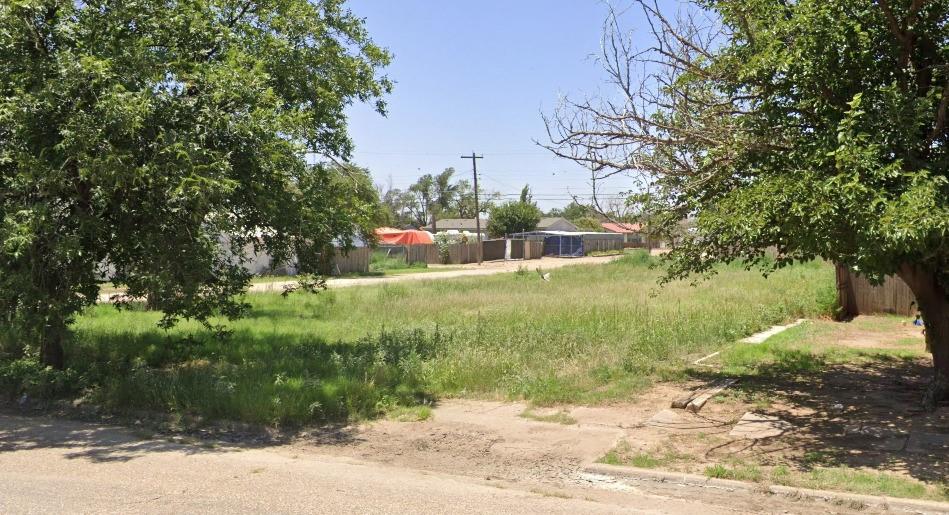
pixel 456 224
pixel 632 233
pixel 556 223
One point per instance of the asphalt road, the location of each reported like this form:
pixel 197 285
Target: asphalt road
pixel 58 466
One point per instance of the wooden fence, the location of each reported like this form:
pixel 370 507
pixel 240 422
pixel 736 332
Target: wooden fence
pixel 355 261
pixel 857 296
pixel 422 254
pixel 492 250
pixel 533 249
pixel 461 253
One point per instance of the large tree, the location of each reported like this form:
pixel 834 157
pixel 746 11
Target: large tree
pixel 513 217
pixel 815 126
pixel 151 142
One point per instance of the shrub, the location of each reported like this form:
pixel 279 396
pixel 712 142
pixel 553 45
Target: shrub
pixel 28 376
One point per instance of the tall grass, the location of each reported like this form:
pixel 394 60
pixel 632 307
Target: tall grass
pixel 591 333
pixel 381 261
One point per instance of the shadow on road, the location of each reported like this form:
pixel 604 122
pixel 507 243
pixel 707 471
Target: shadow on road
pixel 93 442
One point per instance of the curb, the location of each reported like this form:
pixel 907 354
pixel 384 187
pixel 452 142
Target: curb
pixel 694 480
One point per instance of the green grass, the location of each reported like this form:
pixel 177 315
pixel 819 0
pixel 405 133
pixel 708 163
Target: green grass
pixel 844 479
pixel 381 261
pixel 591 334
pixel 624 455
pixel 410 413
pixel 560 417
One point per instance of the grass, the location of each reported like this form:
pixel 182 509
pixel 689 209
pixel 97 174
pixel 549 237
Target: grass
pixel 591 334
pixel 624 455
pixel 844 479
pixel 381 261
pixel 801 351
pixel 560 417
pixel 410 413
pixel 839 478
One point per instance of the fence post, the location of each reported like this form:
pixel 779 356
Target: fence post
pixel 846 296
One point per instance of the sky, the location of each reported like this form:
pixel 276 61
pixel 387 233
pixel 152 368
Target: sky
pixel 475 76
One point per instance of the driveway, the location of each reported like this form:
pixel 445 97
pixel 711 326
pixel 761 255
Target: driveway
pixel 467 270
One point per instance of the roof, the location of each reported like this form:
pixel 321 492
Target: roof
pixel 622 228
pixel 468 224
pixel 551 220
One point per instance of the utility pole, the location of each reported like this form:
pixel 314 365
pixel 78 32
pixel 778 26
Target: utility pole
pixel 474 165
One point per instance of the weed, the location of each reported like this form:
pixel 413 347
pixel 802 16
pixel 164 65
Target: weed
pixel 623 454
pixel 738 472
pixel 410 413
pixel 560 417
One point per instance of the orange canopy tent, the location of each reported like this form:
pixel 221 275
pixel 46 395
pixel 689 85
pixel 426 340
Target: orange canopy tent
pixel 391 236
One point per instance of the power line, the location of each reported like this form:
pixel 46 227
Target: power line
pixel 449 154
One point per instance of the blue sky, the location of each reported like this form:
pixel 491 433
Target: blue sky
pixel 475 76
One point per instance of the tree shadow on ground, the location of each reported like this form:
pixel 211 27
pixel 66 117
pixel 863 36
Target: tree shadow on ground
pixel 854 415
pixel 94 442
pixel 105 443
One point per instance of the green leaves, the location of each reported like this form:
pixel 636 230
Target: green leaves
pixel 835 147
pixel 513 217
pixel 154 144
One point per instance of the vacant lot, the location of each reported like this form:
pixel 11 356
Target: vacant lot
pixel 588 334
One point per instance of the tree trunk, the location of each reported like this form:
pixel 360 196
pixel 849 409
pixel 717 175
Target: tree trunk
pixel 933 301
pixel 51 348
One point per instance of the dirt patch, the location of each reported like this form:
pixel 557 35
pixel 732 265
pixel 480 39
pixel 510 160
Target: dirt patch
pixel 870 332
pixel 483 439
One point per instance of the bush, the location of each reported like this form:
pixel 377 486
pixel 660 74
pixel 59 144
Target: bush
pixel 28 376
pixel 513 217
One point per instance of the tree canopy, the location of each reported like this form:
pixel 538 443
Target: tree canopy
pixel 513 217
pixel 152 143
pixel 433 197
pixel 818 127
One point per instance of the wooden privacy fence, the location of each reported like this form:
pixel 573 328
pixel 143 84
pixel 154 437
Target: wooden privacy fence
pixel 533 249
pixel 355 261
pixel 422 254
pixel 492 250
pixel 461 253
pixel 857 296
pixel 458 253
